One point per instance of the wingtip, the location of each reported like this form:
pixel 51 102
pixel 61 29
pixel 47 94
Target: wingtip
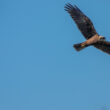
pixel 68 7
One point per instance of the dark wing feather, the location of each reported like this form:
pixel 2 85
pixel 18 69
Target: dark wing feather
pixel 83 22
pixel 104 46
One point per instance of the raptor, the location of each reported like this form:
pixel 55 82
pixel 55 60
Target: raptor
pixel 86 27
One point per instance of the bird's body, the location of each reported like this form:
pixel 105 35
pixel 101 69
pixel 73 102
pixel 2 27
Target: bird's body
pixel 92 40
pixel 87 29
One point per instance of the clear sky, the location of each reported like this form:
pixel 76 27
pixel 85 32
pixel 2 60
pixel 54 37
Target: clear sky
pixel 39 69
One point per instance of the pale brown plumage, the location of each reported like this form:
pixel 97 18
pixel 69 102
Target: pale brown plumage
pixel 87 29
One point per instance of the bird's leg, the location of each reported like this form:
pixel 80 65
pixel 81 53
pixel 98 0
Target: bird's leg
pixel 83 44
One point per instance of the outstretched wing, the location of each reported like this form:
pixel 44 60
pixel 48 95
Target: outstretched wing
pixel 104 46
pixel 83 22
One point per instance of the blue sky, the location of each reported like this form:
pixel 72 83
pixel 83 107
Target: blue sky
pixel 40 70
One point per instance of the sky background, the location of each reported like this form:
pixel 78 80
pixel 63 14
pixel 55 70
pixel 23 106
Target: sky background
pixel 39 69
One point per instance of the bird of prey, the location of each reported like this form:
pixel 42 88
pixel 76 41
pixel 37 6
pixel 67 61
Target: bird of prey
pixel 87 29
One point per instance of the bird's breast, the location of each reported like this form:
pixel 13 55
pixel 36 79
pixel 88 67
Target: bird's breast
pixel 92 40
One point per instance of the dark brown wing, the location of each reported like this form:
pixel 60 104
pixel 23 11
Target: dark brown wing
pixel 104 46
pixel 83 22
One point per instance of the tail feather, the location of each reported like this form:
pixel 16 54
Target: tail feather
pixel 79 47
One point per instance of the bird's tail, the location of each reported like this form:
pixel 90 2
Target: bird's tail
pixel 79 46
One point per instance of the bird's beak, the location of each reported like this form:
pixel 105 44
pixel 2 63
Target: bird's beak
pixel 101 38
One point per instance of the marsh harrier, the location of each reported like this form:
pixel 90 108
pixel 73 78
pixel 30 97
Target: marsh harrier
pixel 87 29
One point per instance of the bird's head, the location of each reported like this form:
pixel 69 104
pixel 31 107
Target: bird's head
pixel 101 38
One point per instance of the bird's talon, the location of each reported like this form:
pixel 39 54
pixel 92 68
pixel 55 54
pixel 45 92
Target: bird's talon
pixel 82 45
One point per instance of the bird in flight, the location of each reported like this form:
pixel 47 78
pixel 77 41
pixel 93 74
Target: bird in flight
pixel 86 27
